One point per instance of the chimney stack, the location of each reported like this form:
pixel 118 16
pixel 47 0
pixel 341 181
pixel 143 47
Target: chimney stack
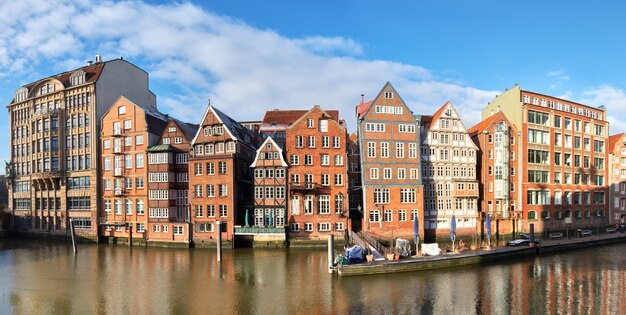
pixel 98 59
pixel 362 98
pixel 89 63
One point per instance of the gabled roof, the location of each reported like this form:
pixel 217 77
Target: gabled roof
pixel 188 129
pixel 614 140
pixel 440 111
pixel 481 126
pixel 280 152
pixel 235 130
pixel 155 120
pixel 324 113
pixel 281 119
pixel 363 107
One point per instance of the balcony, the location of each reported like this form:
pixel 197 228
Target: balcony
pixel 118 132
pixel 118 192
pixel 118 149
pixel 303 186
pixel 118 172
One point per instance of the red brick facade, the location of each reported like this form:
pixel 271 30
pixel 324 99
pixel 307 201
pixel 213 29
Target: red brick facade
pixel 318 178
pixel 498 173
pixel 171 175
pixel 220 177
pixel 389 139
pixel 617 162
pixel 127 129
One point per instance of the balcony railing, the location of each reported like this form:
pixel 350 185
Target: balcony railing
pixel 118 191
pixel 259 230
pixel 118 171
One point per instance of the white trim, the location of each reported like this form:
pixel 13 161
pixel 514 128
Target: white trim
pixel 200 127
pixel 280 151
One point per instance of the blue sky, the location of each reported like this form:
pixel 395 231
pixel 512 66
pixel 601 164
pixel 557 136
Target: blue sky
pixel 252 56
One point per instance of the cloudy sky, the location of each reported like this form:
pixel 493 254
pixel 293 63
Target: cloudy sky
pixel 251 56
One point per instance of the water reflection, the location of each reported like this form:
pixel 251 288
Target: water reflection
pixel 40 277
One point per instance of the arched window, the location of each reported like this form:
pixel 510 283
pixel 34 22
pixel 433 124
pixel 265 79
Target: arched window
pixel 532 215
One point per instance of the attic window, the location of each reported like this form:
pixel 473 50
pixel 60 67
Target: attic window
pixel 310 123
pixel 208 131
pixel 268 146
pixel 389 95
pixel 121 110
pixel 77 78
pixel 171 129
pixel 448 112
pixel 21 94
pixel 218 130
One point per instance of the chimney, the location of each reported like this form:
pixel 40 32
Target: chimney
pixel 98 59
pixel 362 98
pixel 89 63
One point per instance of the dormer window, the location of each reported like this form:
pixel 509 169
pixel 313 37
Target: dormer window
pixel 388 95
pixel 21 94
pixel 78 77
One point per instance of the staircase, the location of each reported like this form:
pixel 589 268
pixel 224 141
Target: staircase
pixel 366 241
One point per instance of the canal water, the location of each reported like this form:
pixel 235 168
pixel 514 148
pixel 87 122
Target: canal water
pixel 38 277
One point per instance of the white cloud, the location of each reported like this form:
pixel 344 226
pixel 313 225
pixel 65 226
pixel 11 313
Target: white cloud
pixel 613 99
pixel 244 70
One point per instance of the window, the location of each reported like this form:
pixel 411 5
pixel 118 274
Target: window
pixel 121 110
pixel 323 127
pixel 139 160
pixel 336 142
pixel 324 204
pixel 294 159
pixel 538 118
pixel 310 123
pixel 223 211
pixel 374 216
pixel 139 182
pixel 308 227
pixel 371 149
pixel 222 167
pixel 325 160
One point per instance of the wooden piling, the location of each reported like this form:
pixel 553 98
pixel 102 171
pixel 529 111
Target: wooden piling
pixel 219 240
pixel 73 235
pixel 331 252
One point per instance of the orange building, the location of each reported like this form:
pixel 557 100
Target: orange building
pixel 563 159
pixel 220 177
pixel 318 188
pixel 168 170
pixel 389 138
pixel 498 141
pixel 617 171
pixel 127 131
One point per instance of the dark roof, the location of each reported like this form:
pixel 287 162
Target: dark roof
pixel 188 129
pixel 240 132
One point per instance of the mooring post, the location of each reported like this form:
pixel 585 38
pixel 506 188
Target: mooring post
pixel 532 233
pixel 331 251
pixel 219 240
pixel 130 235
pixel 73 236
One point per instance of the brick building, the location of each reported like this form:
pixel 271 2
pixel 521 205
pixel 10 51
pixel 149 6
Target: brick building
pixel 55 132
pixel 318 188
pixel 389 138
pixel 220 177
pixel 128 129
pixel 448 174
pixel 355 190
pixel 617 178
pixel 270 186
pixel 498 175
pixel 563 159
pixel 168 170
